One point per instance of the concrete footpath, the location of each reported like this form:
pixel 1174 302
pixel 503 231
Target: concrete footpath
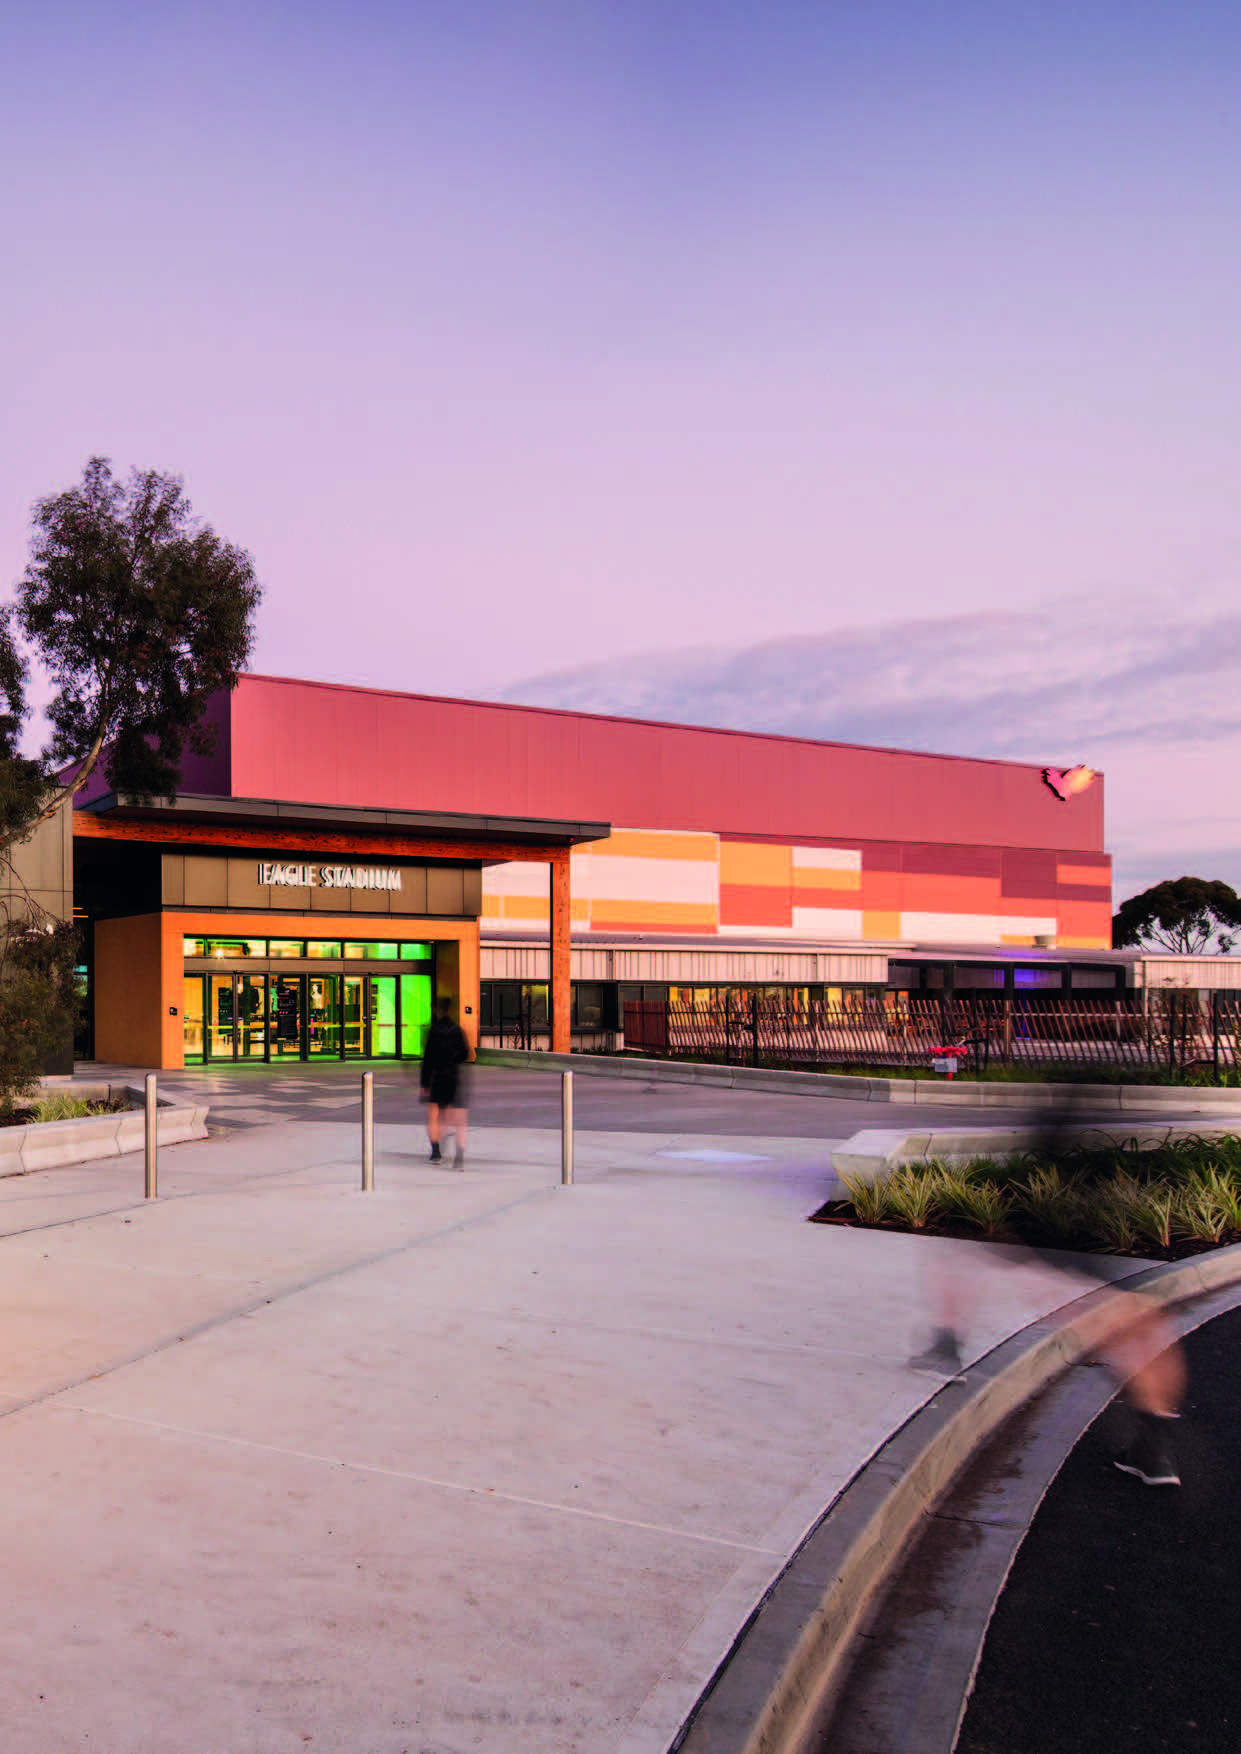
pixel 470 1462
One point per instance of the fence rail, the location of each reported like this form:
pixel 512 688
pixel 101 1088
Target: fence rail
pixel 1171 1031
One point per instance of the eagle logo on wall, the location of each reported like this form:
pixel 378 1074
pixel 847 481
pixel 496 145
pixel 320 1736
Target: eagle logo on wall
pixel 1064 782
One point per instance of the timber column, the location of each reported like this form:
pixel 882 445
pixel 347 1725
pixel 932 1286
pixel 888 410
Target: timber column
pixel 561 921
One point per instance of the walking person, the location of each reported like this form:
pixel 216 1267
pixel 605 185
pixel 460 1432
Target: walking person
pixel 1140 1347
pixel 443 1083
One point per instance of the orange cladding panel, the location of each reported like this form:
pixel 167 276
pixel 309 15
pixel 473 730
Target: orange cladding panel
pixel 754 904
pixel 926 894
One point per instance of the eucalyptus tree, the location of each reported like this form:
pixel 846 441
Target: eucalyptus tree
pixel 1181 914
pixel 137 612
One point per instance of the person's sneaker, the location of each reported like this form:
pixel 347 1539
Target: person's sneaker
pixel 1148 1460
pixel 942 1356
pixel 435 1153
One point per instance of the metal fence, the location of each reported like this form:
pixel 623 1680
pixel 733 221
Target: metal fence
pixel 1169 1031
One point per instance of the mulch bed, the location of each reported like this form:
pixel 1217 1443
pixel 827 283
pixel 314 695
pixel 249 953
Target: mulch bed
pixel 840 1212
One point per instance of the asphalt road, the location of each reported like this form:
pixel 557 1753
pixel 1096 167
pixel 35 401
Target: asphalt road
pixel 1117 1630
pixel 505 1096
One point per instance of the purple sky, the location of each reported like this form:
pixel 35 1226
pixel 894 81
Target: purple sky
pixel 514 338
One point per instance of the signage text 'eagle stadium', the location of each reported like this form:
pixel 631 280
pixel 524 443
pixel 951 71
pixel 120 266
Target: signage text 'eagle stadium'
pixel 330 876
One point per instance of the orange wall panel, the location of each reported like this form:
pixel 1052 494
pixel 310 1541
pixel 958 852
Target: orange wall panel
pixel 1086 922
pixel 931 894
pixel 834 896
pixel 883 891
pixel 645 916
pixel 755 904
pixel 877 923
pixel 821 877
pixel 750 863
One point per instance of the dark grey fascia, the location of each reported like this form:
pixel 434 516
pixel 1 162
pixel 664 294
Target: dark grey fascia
pixel 191 807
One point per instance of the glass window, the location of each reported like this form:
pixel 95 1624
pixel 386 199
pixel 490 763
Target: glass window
pixel 193 946
pixel 1024 978
pixel 369 951
pixel 415 1013
pixel 192 1011
pixel 323 947
pixel 230 947
pixel 287 947
pixel 415 952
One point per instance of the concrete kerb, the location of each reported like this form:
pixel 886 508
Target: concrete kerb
pixel 940 1093
pixel 56 1144
pixel 875 1150
pixel 773 1689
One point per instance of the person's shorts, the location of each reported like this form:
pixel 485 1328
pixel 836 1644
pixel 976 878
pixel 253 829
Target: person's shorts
pixel 443 1090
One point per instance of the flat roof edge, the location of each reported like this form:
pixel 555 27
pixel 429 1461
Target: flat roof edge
pixel 280 810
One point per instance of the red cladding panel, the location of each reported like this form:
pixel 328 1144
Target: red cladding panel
pixel 319 743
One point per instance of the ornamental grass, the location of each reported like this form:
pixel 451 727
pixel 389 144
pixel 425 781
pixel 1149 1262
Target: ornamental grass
pixel 1110 1197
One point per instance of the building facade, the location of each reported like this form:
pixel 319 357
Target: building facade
pixel 346 854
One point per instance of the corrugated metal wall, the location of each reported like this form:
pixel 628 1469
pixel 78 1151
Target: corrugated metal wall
pixel 717 966
pixel 1205 973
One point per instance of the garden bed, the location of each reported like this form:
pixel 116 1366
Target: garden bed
pixel 60 1107
pixel 1160 1203
pixel 113 1125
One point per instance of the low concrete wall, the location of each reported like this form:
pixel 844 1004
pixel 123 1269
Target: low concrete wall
pixel 54 1144
pixel 1123 1098
pixel 878 1149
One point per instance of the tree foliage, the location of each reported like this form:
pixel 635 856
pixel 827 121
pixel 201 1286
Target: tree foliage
pixel 38 999
pixel 138 612
pixel 1182 914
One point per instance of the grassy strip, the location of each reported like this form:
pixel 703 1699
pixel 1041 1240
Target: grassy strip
pixel 1159 1203
pixel 1052 1072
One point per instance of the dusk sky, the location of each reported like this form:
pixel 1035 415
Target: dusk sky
pixel 517 339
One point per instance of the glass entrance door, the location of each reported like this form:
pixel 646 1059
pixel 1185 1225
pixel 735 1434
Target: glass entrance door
pixel 381 1007
pixel 251 1016
pixel 324 1011
pixel 286 1016
pixel 353 1015
pixel 370 1016
pixel 192 1017
pixel 221 1017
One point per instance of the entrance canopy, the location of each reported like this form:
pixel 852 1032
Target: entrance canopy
pixel 234 927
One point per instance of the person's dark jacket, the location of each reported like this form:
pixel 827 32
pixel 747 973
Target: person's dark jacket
pixel 446 1049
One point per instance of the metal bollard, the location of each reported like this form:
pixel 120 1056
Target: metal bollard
pixel 566 1128
pixel 368 1132
pixel 151 1138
